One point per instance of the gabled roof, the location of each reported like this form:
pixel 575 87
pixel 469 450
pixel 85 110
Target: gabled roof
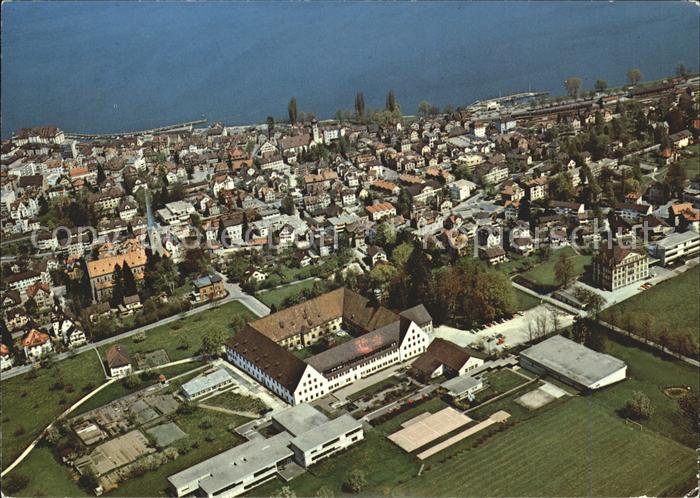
pixel 34 338
pixel 118 356
pixel 418 314
pixel 344 303
pixel 443 352
pixel 268 356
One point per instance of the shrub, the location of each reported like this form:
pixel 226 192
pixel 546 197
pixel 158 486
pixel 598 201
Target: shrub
pixel 639 407
pixel 14 483
pixel 355 482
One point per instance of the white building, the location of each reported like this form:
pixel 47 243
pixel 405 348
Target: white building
pixel 205 384
pixel 461 190
pixel 573 363
pixel 260 349
pixel 675 246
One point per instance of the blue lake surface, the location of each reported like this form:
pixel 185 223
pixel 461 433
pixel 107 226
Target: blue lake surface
pixel 104 67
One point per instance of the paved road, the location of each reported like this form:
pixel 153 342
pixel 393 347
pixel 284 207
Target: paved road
pixel 234 294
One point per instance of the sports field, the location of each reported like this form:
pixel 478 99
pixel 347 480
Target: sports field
pixel 577 449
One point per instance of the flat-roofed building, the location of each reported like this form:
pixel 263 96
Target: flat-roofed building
pixel 206 384
pixel 573 363
pixel 307 436
pixel 462 386
pixel 326 439
pixel 237 470
pixel 674 247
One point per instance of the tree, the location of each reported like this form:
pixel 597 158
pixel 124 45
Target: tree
pixel 129 280
pixel 634 76
pixel 288 205
pixel 639 407
pixel 381 275
pixel 324 492
pixel 14 483
pixel 292 110
pixel 601 85
pixel 681 70
pixel 285 492
pixel 564 271
pixel 579 331
pixel 355 481
pixel 391 105
pixel 404 203
pixel 385 235
pixel 401 254
pixel 118 285
pixel 270 125
pixel 360 105
pixel 101 177
pixel 423 108
pixel 561 187
pixel 689 406
pixel 572 86
pixel 211 343
pixel 88 480
pixel 675 179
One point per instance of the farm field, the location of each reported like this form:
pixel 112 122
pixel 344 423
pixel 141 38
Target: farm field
pixel 673 303
pixel 45 394
pixel 183 338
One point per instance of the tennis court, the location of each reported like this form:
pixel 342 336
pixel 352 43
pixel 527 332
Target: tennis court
pixel 423 429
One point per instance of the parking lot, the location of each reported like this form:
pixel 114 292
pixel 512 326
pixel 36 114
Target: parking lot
pixel 515 331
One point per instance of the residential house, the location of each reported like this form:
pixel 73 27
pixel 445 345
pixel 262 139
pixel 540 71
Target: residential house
pixel 36 344
pixel 118 361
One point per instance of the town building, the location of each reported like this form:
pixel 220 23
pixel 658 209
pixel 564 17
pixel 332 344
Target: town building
pixel 381 338
pixel 307 436
pixel 676 246
pixel 615 267
pixel 446 358
pixel 208 287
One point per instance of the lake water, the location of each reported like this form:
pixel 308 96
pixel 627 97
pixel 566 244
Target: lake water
pixel 89 67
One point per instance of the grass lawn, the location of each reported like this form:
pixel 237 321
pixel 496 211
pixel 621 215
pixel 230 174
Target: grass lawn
pixel 235 401
pixel 673 302
pixel 155 483
pixel 119 389
pixel 183 338
pixel 383 462
pixel 47 476
pixel 543 274
pixel 691 164
pixel 576 449
pixel 276 297
pixel 375 388
pixel 30 404
pixel 524 301
pixel 651 373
